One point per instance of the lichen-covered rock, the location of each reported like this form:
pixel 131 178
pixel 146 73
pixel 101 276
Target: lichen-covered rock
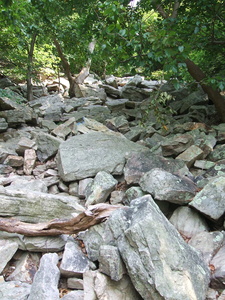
pixel 160 264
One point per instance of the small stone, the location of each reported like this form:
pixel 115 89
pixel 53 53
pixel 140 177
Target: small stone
pixel 190 155
pixel 75 283
pixel 29 161
pixel 7 250
pixel 73 188
pixel 83 183
pixel 14 161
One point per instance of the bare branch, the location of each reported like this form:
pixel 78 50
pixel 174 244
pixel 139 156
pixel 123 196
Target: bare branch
pixel 175 9
pixel 162 12
pixel 94 215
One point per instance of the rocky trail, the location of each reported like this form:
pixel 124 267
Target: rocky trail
pixel 151 194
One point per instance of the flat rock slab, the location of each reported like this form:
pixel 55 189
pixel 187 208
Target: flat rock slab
pixel 85 155
pixel 210 200
pixel 163 185
pixel 140 163
pixel 159 262
pixel 14 290
pixel 32 206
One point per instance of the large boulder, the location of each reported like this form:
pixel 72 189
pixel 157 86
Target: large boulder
pixel 85 155
pixel 159 262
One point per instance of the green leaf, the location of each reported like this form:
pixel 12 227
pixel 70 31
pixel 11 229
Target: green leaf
pixel 181 48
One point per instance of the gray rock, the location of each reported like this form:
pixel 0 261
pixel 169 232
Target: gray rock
pixel 74 295
pixel 74 262
pixel 207 243
pixel 188 222
pixel 176 144
pixel 29 161
pixel 218 274
pixel 83 183
pixel 195 98
pixel 163 185
pixel 134 133
pixel 31 206
pixel 116 105
pixel 118 124
pixel 14 290
pixel 160 264
pixel 47 146
pixel 110 262
pixel 218 169
pixel 140 163
pixel 212 295
pixel 210 200
pixel 8 104
pixel 116 197
pixel 85 155
pixel 5 82
pixel 110 90
pixel 75 283
pixel 217 154
pixel 45 284
pixel 19 116
pixel 44 243
pixel 111 80
pixel 134 93
pixel 65 129
pixel 190 155
pixel 101 187
pixel 14 161
pixel 23 144
pixel 99 286
pixel 26 265
pixel 7 250
pixel 133 193
pixel 3 125
pixel 28 184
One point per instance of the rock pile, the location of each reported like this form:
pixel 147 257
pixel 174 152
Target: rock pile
pixel 58 156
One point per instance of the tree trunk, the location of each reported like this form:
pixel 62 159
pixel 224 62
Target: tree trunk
pixel 94 215
pixel 214 95
pixel 79 79
pixel 30 68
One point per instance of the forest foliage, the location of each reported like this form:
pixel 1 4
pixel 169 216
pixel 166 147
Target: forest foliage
pixel 157 39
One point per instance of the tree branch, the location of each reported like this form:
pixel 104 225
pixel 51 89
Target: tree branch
pixel 175 9
pixel 94 215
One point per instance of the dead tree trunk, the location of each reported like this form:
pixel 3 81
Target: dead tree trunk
pixel 30 67
pixel 94 215
pixel 213 95
pixel 79 79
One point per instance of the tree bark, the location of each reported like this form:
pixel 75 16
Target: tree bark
pixel 79 79
pixel 30 68
pixel 94 215
pixel 213 95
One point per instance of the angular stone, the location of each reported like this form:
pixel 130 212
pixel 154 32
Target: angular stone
pixel 110 90
pixel 8 104
pixel 218 275
pixel 44 244
pixel 47 146
pixel 73 188
pixel 35 207
pixel 14 161
pixel 188 222
pixel 74 295
pixel 140 163
pixel 24 144
pixel 45 284
pixel 176 144
pixel 110 262
pixel 217 154
pixel 163 185
pixel 14 290
pixel 26 265
pixel 210 200
pixel 116 197
pixel 159 262
pixel 23 183
pixel 7 250
pixel 19 116
pixel 68 127
pixel 207 243
pixel 29 161
pixel 133 193
pixel 74 262
pixel 190 155
pixel 75 283
pixel 100 286
pixel 85 155
pixel 3 125
pixel 83 183
pixel 101 187
pixel 217 170
pixel 118 124
pixel 134 133
pixel 116 105
pixel 203 164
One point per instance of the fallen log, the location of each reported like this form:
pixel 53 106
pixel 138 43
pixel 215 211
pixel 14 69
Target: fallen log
pixel 95 214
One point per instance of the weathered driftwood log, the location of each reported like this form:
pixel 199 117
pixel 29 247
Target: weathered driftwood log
pixel 93 215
